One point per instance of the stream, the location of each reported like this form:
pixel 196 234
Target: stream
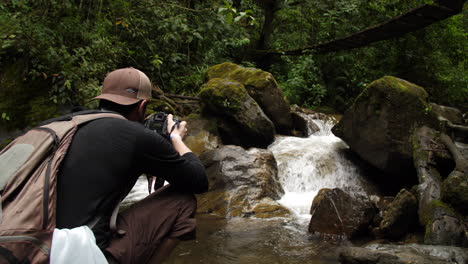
pixel 305 165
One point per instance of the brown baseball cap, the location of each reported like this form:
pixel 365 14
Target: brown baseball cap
pixel 126 86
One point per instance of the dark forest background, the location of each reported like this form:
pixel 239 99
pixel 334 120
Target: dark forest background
pixel 54 54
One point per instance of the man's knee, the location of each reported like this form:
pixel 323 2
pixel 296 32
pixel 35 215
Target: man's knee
pixel 187 201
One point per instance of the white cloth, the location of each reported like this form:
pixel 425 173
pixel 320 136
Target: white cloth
pixel 75 246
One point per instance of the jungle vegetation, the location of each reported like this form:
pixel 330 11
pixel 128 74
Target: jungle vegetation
pixel 60 50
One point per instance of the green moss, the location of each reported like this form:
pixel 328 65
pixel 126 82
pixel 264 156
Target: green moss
pixel 427 214
pixel 252 78
pixel 455 191
pixel 157 105
pixel 221 70
pixel 391 84
pixel 223 95
pixel 193 116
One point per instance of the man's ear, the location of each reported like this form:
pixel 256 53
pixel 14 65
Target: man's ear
pixel 142 106
pixel 142 110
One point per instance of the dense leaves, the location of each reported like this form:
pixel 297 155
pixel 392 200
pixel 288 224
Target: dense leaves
pixel 67 46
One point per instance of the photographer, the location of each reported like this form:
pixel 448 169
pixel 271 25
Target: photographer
pixel 103 163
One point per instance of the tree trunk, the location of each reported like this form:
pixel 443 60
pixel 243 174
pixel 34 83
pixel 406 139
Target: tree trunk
pixel 269 7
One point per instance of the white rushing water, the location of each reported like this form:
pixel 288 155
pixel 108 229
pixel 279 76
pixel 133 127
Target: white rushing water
pixel 306 165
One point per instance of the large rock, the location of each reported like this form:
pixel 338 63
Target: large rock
pixel 336 212
pixel 202 134
pixel 263 88
pixel 303 124
pixel 443 226
pixel 222 70
pixel 428 176
pixel 379 125
pixel 451 114
pixel 455 191
pixel 240 119
pixel 400 216
pixel 242 183
pixel 403 254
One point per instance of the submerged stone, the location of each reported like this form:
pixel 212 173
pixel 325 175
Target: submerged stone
pixel 403 254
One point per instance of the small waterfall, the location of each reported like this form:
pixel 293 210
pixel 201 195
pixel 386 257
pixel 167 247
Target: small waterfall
pixel 306 165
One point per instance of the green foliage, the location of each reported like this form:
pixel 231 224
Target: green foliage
pixel 434 57
pixel 5 116
pixel 303 83
pixel 231 15
pixel 68 47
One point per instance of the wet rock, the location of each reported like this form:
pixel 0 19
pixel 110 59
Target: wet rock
pixel 400 216
pixel 202 134
pixel 263 88
pixel 240 120
pixel 303 124
pixel 451 114
pixel 443 226
pixel 338 213
pixel 455 191
pixel 242 183
pixel 403 254
pixel 378 126
pixel 428 176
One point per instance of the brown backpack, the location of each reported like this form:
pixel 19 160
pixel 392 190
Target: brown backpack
pixel 28 180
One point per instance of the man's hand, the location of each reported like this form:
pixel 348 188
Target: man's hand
pixel 178 132
pixel 179 129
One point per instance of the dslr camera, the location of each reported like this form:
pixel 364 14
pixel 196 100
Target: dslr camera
pixel 158 123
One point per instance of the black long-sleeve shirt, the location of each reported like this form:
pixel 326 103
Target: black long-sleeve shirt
pixel 103 163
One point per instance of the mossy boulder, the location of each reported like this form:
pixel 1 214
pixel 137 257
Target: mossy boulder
pixel 455 191
pixel 243 183
pixel 263 88
pixel 443 225
pixel 379 124
pixel 221 70
pixel 451 114
pixel 240 119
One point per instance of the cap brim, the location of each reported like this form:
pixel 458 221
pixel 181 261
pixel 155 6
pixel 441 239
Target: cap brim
pixel 118 99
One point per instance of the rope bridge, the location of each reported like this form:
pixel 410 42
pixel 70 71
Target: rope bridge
pixel 413 20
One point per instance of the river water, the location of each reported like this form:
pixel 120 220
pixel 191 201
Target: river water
pixel 305 165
